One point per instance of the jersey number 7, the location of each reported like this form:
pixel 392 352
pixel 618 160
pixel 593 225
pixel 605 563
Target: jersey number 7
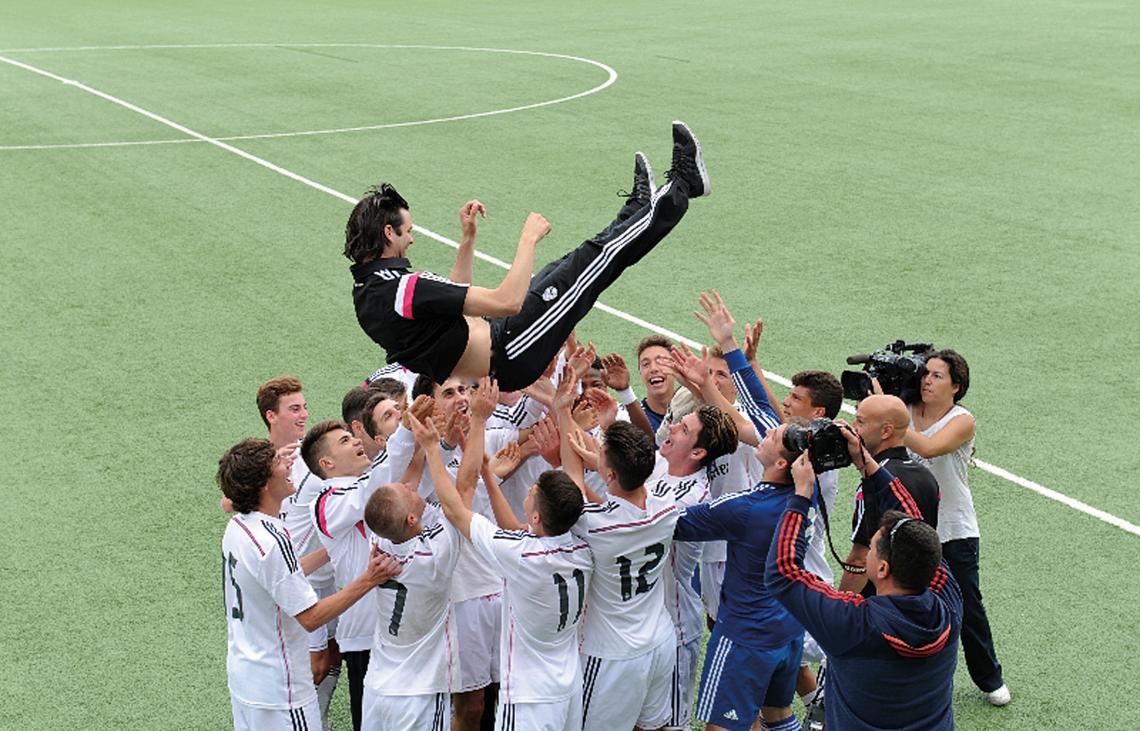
pixel 398 608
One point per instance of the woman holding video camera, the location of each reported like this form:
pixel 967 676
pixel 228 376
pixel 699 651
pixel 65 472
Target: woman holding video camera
pixel 942 437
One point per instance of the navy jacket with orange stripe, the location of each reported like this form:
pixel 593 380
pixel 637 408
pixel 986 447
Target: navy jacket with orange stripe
pixel 890 659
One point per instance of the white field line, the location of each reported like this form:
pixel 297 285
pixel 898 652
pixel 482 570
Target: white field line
pixel 985 466
pixel 611 77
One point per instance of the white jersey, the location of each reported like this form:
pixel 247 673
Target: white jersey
pixel 413 652
pixel 338 513
pixel 546 580
pixel 956 516
pixel 681 599
pixel 625 612
pixel 815 560
pixel 523 414
pixel 296 513
pixel 734 472
pixel 264 589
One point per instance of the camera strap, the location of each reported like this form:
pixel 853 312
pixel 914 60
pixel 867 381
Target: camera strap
pixel 848 567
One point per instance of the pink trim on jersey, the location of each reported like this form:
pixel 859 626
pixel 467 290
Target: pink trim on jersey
pixel 447 639
pixel 285 657
pixel 248 533
pixel 407 289
pixel 615 526
pixel 322 521
pixel 572 549
pixel 360 527
pixel 510 655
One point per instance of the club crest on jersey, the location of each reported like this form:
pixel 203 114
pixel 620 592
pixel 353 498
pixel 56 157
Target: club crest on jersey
pixel 549 294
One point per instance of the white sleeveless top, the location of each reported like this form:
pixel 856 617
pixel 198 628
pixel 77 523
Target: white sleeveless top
pixel 956 516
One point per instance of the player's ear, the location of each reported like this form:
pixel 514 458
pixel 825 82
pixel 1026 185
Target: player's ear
pixel 700 453
pixel 326 464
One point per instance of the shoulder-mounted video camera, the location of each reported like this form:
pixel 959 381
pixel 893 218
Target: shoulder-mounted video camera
pixel 899 368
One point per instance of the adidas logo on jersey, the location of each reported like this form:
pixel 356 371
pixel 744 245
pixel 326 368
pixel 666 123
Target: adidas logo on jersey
pixel 549 294
pixel 731 715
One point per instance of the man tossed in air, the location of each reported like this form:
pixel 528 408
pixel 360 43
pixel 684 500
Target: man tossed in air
pixel 446 327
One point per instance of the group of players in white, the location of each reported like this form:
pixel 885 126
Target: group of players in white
pixel 461 539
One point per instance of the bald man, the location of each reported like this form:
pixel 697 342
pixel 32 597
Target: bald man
pixel 882 423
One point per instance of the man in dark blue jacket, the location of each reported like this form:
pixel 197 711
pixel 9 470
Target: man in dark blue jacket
pixel 891 657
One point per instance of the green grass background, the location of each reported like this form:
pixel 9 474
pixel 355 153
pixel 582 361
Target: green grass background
pixel 960 172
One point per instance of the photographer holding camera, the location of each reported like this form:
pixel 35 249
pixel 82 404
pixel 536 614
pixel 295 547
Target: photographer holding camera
pixel 881 422
pixel 891 656
pixel 942 437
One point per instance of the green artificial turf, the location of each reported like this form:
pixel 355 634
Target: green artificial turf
pixel 964 173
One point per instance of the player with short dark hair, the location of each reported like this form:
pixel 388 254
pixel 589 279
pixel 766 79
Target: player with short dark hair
pixel 270 606
pixel 447 327
pixel 545 571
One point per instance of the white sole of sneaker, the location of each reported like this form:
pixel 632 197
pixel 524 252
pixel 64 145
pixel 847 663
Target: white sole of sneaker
pixel 705 182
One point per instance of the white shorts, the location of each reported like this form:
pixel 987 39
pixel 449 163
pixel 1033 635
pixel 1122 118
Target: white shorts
pixel 812 651
pixel 712 579
pixel 478 623
pixel 621 694
pixel 684 678
pixel 555 716
pixel 319 638
pixel 430 712
pixel 252 718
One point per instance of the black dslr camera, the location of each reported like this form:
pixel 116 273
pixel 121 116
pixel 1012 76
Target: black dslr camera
pixel 899 366
pixel 822 440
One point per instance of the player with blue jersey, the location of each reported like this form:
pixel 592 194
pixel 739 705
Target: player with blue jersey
pixel 753 655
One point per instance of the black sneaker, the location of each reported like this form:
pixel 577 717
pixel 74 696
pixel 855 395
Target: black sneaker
pixel 643 185
pixel 688 162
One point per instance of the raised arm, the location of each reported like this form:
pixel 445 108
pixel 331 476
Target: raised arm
pixel 959 431
pixel 507 298
pixel 504 515
pixel 457 512
pixel 381 567
pixel 752 333
pixel 482 404
pixel 468 227
pixel 753 392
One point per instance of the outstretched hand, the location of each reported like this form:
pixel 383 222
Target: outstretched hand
pixel 483 399
pixel 425 432
pixel 604 405
pixel 718 320
pixel 752 338
pixel 567 389
pixel 421 408
pixel 582 359
pixel 615 373
pixel 547 441
pixel 690 369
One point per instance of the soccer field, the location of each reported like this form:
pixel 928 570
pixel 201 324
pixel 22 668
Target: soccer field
pixel 175 178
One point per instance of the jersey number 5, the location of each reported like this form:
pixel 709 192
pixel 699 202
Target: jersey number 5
pixel 237 611
pixel 655 553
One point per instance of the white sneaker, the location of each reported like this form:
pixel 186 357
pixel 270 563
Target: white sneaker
pixel 999 697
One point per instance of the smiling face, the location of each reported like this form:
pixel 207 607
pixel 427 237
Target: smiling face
pixel 680 446
pixel 279 486
pixel 659 386
pixel 401 239
pixel 451 397
pixel 290 418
